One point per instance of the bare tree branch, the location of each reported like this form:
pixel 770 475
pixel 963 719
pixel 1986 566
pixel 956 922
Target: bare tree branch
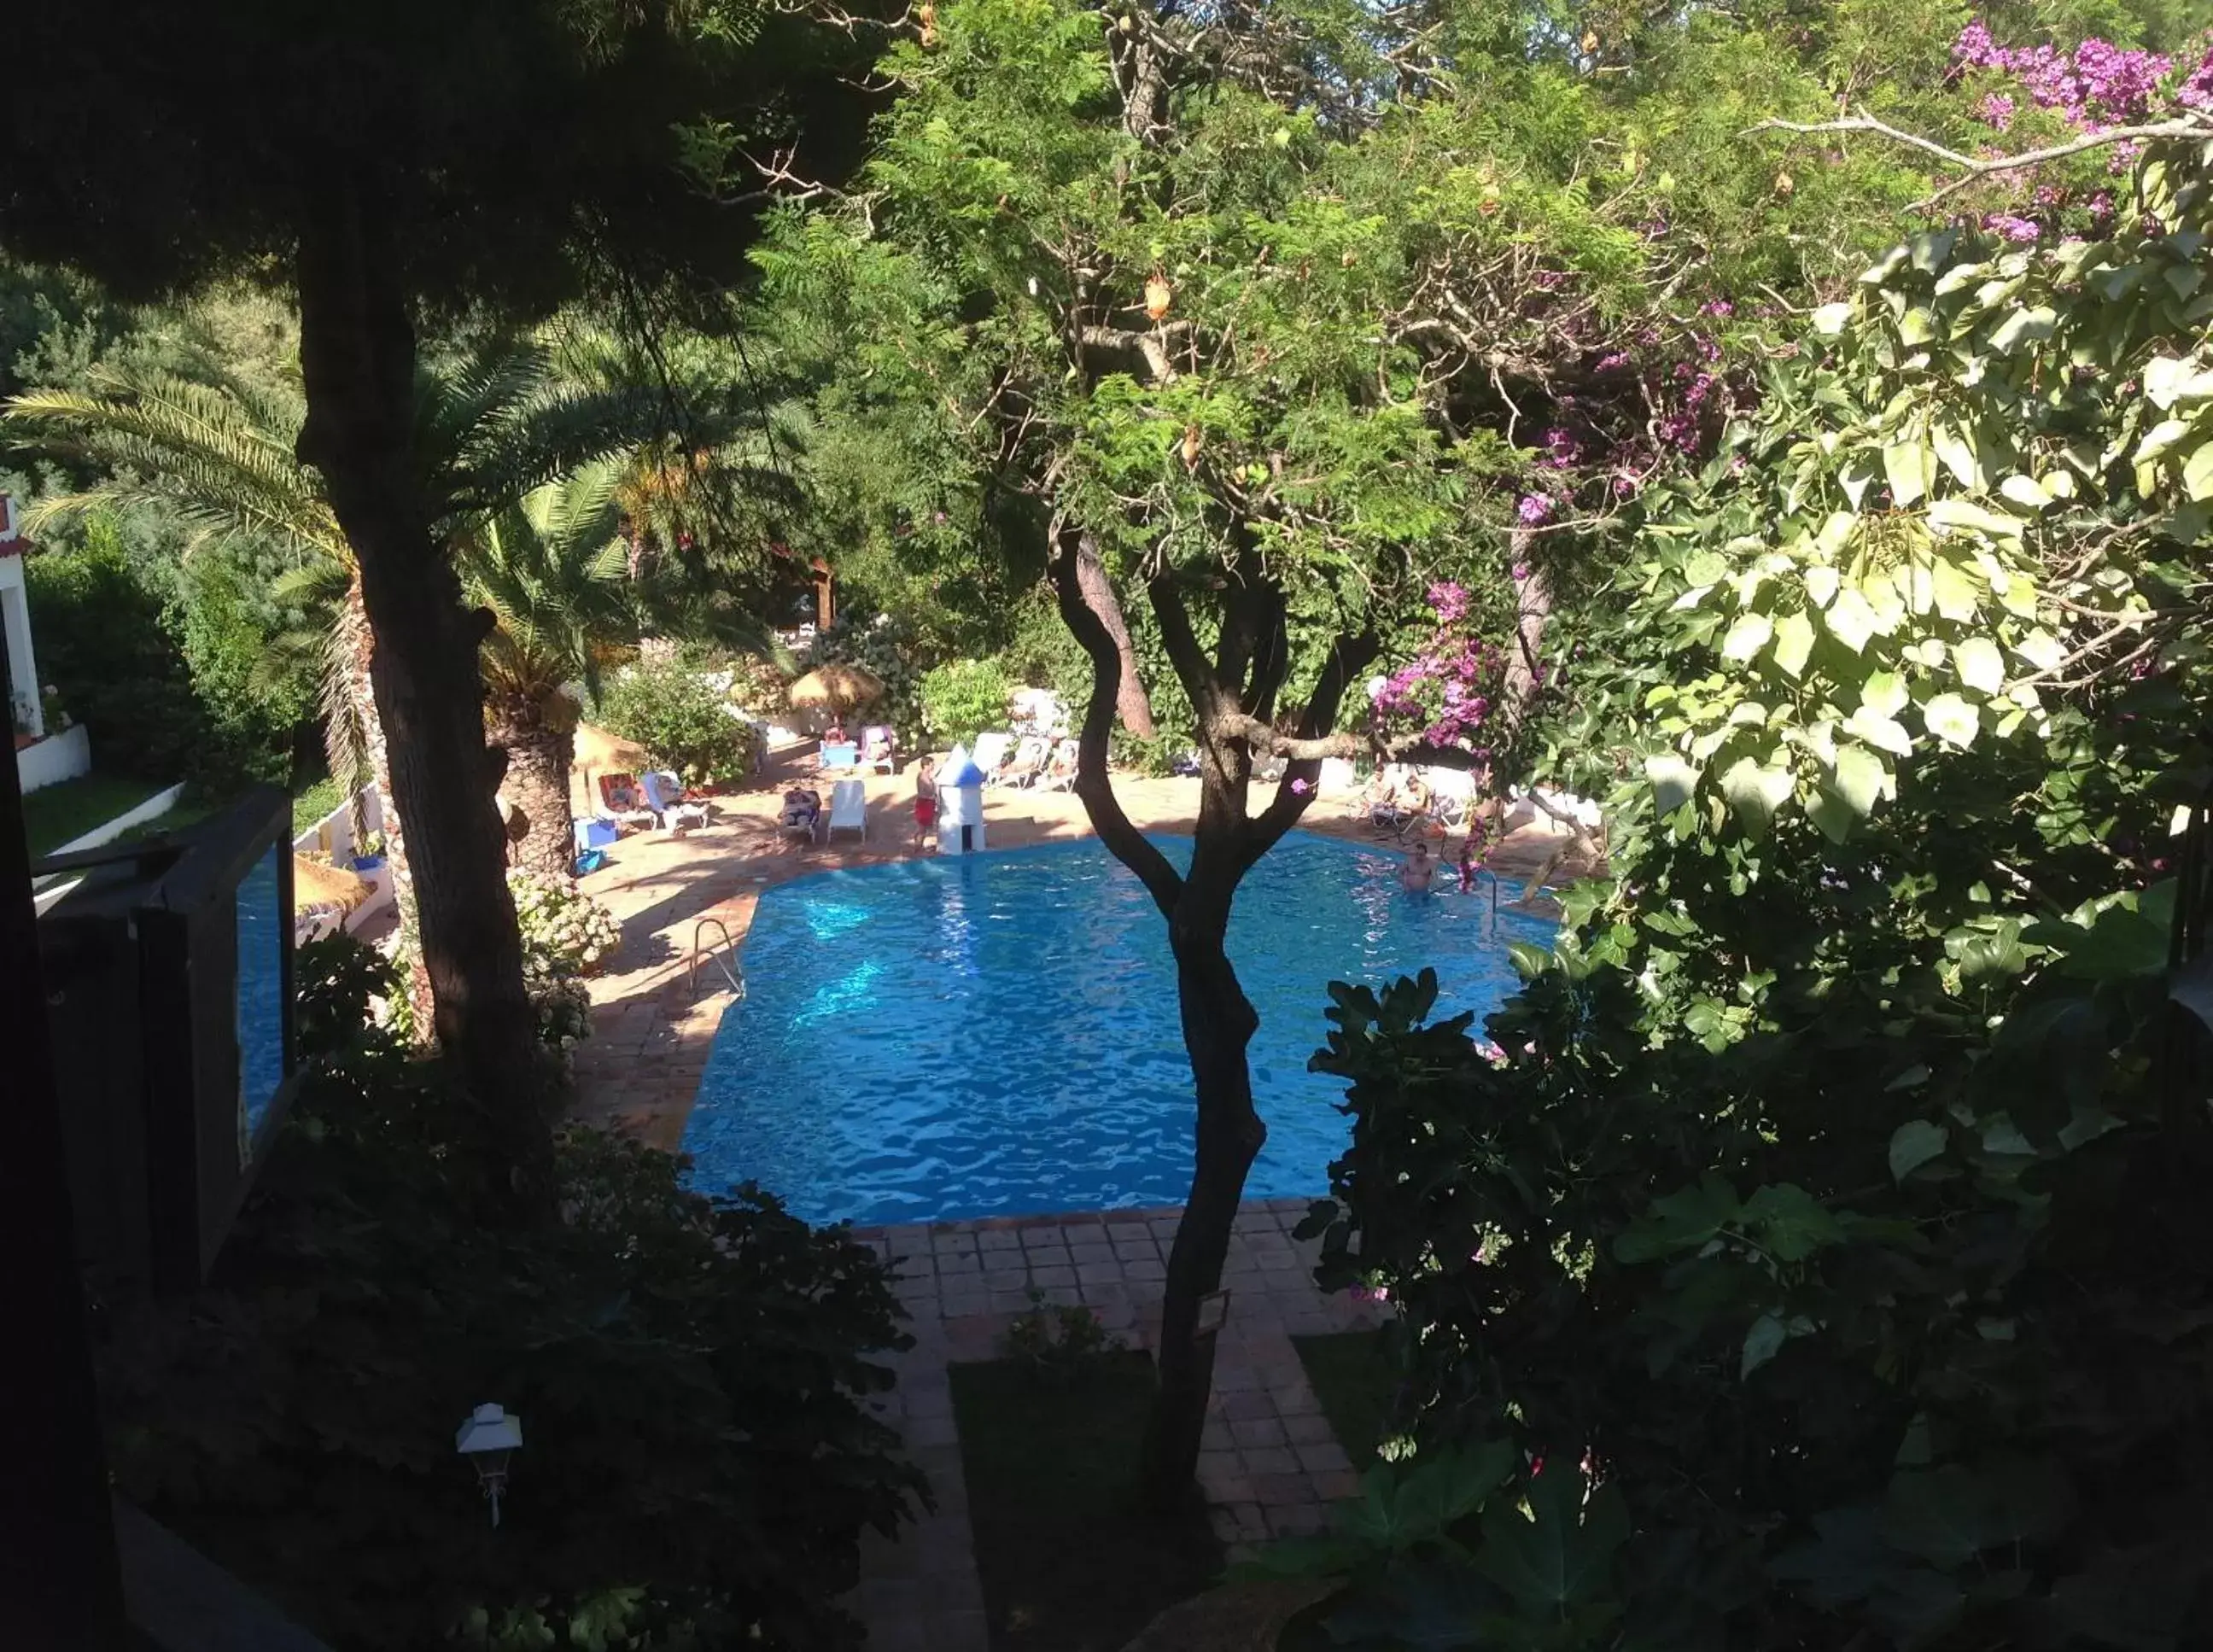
pixel 1348 655
pixel 1975 167
pixel 1094 784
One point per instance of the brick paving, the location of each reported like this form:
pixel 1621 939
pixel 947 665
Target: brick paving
pixel 1269 1466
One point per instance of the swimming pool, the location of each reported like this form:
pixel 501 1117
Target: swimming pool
pixel 998 1035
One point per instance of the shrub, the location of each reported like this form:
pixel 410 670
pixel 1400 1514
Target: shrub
pixel 98 623
pixel 884 649
pixel 961 698
pixel 684 724
pixel 698 1459
pixel 564 931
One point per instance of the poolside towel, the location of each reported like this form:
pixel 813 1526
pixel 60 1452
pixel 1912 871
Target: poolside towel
pixel 843 755
pixel 621 800
pixel 879 748
pixel 848 808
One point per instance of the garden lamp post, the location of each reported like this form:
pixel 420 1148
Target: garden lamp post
pixel 490 1439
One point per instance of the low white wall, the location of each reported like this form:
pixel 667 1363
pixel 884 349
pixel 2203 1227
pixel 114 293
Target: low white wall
pixel 108 830
pixel 58 758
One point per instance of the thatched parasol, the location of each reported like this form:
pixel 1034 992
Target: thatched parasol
pixel 841 688
pixel 316 883
pixel 598 749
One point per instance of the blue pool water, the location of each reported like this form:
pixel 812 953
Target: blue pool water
pixel 998 1035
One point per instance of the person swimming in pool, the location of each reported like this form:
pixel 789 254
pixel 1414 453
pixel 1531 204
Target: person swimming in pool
pixel 1414 876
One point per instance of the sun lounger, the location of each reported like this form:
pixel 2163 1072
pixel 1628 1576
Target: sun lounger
pixel 664 796
pixel 848 809
pixel 621 799
pixel 1027 762
pixel 1060 775
pixel 880 749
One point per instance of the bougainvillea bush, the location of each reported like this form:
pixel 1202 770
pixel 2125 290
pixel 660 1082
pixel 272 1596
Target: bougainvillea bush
pixel 1815 1254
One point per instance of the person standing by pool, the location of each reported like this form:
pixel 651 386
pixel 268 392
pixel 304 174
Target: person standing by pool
pixel 1414 876
pixel 926 799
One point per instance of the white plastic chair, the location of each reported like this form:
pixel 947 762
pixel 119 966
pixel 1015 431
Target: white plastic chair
pixel 848 809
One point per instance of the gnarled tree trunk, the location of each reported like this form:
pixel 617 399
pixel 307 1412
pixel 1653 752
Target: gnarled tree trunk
pixel 357 357
pixel 1129 697
pixel 1235 696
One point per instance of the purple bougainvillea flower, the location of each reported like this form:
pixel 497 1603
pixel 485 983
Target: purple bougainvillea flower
pixel 1300 788
pixel 1534 508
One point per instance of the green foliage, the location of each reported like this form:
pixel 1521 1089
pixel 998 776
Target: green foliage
pixel 883 646
pixel 564 931
pixel 1058 1343
pixel 1829 1189
pixel 103 631
pixel 698 1461
pixel 962 699
pixel 682 722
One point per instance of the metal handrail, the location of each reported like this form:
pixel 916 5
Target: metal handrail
pixel 720 956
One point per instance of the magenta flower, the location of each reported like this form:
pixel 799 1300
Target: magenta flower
pixel 1300 788
pixel 1534 508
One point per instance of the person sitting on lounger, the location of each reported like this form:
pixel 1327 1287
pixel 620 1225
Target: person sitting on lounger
pixel 802 807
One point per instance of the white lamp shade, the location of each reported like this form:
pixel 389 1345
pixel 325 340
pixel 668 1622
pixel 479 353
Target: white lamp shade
pixel 489 1429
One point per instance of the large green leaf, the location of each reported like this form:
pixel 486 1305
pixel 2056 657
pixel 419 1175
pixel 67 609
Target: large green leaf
pixel 1884 693
pixel 1747 637
pixel 1913 1144
pixel 1952 720
pixel 1562 1555
pixel 1756 792
pixel 1886 733
pixel 1683 1221
pixel 1980 663
pixel 1794 643
pixel 1850 619
pixel 1789 1223
pixel 1906 467
pixel 1672 780
pixel 2024 326
pixel 1859 778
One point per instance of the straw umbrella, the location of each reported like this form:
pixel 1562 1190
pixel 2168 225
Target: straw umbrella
pixel 317 883
pixel 841 689
pixel 595 749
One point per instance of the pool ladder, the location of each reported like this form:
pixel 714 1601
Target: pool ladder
pixel 721 956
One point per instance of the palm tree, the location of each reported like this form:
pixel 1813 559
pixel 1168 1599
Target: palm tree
pixel 493 425
pixel 554 568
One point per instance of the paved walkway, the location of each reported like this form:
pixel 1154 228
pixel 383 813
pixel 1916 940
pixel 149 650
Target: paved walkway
pixel 1269 1466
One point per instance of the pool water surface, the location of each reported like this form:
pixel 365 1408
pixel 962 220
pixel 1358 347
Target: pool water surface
pixel 997 1034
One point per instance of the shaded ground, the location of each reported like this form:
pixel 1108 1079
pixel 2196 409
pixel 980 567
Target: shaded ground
pixel 1068 1562
pixel 1353 1380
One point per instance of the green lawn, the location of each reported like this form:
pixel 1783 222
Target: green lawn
pixel 310 803
pixel 1068 1562
pixel 1353 1381
pixel 55 814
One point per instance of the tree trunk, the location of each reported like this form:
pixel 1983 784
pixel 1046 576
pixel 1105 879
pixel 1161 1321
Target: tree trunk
pixel 538 756
pixel 1130 699
pixel 1218 1024
pixel 360 644
pixel 357 357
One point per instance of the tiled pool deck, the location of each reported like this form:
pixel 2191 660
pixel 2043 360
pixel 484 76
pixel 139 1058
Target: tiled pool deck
pixel 1270 1464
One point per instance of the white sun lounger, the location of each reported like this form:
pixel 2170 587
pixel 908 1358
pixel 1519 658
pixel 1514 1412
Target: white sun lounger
pixel 848 809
